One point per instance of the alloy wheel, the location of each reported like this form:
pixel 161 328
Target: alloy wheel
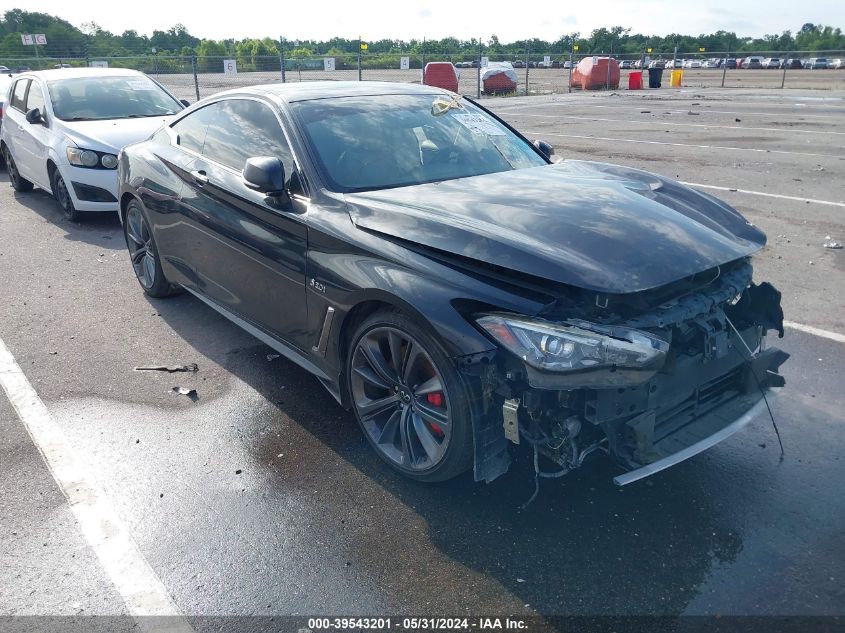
pixel 139 239
pixel 401 399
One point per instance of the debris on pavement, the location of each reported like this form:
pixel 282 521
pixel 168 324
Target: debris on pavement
pixel 832 243
pixel 271 357
pixel 190 367
pixel 185 391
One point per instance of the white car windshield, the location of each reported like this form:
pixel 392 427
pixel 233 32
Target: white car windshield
pixel 96 98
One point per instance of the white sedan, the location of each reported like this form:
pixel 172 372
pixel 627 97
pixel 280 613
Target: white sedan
pixel 62 131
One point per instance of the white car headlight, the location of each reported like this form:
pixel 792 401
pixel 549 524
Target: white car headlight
pixel 109 161
pixel 90 158
pixel 577 346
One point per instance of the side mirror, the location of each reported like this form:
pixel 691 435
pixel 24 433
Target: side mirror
pixel 34 116
pixel 265 174
pixel 545 149
pixel 185 102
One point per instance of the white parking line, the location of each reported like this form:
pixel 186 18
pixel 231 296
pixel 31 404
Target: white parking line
pixel 809 329
pixel 761 193
pixel 716 147
pixel 122 561
pixel 669 123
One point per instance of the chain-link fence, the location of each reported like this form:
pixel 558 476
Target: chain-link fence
pixel 544 72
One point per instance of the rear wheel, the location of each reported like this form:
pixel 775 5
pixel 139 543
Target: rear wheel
pixel 19 183
pixel 409 399
pixel 143 253
pixel 62 196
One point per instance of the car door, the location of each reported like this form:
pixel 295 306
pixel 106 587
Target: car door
pixel 14 126
pixel 246 251
pixel 33 140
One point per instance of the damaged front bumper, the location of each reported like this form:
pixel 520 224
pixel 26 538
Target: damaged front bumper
pixel 713 382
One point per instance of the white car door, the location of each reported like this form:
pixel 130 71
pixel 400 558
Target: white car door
pixel 14 122
pixel 33 141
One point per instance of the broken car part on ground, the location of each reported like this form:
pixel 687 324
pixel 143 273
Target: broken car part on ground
pixel 451 284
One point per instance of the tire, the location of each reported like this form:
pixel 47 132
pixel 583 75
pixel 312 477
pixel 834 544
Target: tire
pixel 19 183
pixel 62 196
pixel 143 253
pixel 418 419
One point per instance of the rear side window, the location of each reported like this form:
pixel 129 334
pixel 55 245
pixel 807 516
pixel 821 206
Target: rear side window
pixel 241 129
pixel 19 94
pixel 35 98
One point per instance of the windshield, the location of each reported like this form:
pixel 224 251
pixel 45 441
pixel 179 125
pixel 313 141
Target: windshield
pixel 95 98
pixel 378 142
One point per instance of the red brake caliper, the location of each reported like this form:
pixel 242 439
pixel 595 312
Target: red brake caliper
pixel 435 399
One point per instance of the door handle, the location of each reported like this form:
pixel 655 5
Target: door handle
pixel 200 177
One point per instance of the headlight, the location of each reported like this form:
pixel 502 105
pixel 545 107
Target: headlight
pixel 577 346
pixel 109 161
pixel 90 158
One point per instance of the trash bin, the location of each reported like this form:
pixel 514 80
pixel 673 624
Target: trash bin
pixel 676 78
pixel 655 76
pixel 635 80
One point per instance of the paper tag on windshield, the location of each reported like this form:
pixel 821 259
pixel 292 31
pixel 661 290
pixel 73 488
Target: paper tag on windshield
pixel 136 84
pixel 477 124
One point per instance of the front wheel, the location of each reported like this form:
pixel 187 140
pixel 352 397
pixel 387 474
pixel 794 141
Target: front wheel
pixel 409 399
pixel 62 196
pixel 143 253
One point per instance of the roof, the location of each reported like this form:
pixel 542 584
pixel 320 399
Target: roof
pixel 76 73
pixel 303 91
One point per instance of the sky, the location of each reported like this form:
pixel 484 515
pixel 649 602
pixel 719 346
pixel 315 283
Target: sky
pixel 434 19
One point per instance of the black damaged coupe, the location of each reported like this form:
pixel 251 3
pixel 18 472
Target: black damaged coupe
pixel 463 293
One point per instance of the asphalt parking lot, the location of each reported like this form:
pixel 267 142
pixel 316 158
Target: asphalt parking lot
pixel 263 498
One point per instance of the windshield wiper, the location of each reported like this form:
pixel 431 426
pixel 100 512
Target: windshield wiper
pixel 144 116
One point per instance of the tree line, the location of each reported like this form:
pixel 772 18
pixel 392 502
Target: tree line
pixel 89 41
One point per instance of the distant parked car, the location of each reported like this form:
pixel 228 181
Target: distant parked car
pixel 710 63
pixel 658 63
pixel 518 64
pixel 836 63
pixel 729 63
pixel 64 129
pixel 692 63
pixel 62 66
pixel 792 62
pixel 4 69
pixel 771 63
pixel 752 62
pixel 567 64
pixel 626 64
pixel 817 63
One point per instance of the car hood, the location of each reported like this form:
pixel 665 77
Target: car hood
pixel 111 135
pixel 601 227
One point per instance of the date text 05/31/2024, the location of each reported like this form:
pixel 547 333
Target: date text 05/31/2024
pixel 416 624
